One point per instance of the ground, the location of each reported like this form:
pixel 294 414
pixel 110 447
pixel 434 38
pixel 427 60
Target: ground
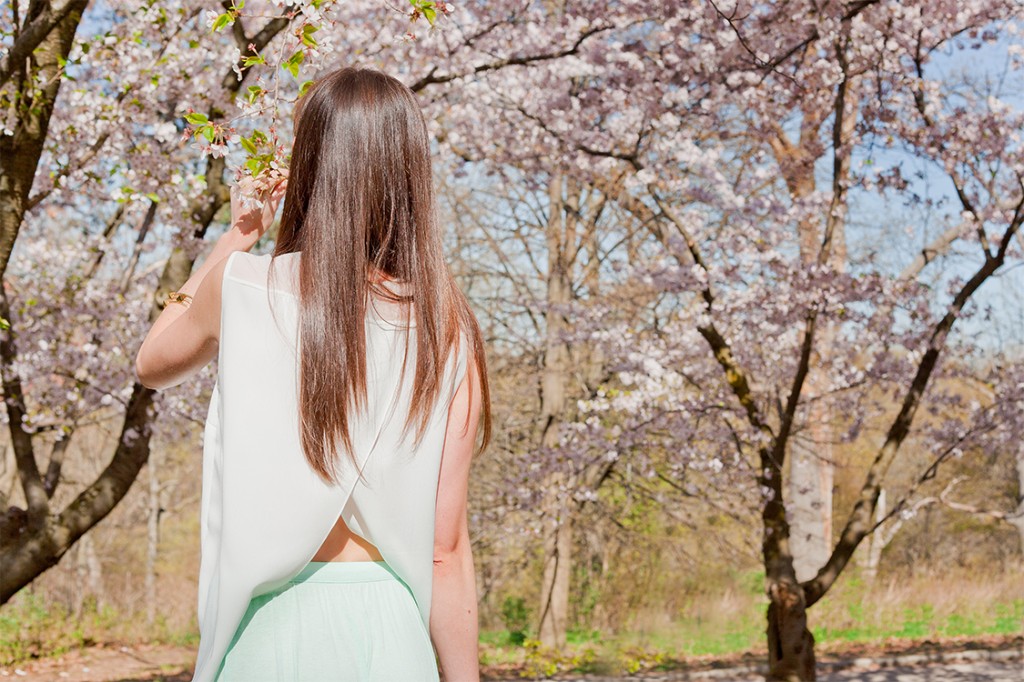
pixel 979 659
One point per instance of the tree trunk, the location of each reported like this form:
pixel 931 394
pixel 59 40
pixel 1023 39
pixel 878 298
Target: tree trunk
pixel 152 537
pixel 32 550
pixel 812 471
pixel 797 553
pixel 1017 518
pixel 20 152
pixel 554 606
pixel 89 572
pixel 555 588
pixel 790 643
pixel 810 491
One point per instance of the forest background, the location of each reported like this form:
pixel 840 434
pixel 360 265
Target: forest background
pixel 749 275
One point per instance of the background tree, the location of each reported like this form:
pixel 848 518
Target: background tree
pixel 707 240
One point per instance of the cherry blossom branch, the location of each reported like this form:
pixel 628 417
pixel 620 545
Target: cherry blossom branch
pixel 97 388
pixel 890 531
pixel 140 238
pixel 859 521
pixel 842 129
pixel 108 231
pixel 922 108
pixel 973 509
pixel 46 18
pixel 100 142
pixel 735 375
pixel 928 474
pixel 770 65
pixel 432 79
pixel 931 251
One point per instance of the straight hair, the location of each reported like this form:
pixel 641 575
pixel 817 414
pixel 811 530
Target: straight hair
pixel 360 206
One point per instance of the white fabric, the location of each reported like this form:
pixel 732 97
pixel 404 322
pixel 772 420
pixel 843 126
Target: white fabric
pixel 264 511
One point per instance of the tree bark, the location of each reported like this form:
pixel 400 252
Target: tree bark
pixel 812 471
pixel 810 512
pixel 1016 517
pixel 557 570
pixel 877 542
pixel 558 534
pixel 790 643
pixel 154 512
pixel 52 34
pixel 89 572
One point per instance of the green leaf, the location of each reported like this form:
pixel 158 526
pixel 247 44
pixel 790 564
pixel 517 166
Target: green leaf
pixel 305 86
pixel 291 65
pixel 207 132
pixel 196 118
pixel 431 14
pixel 248 145
pixel 253 92
pixel 222 21
pixel 4 323
pixel 152 196
pixel 307 35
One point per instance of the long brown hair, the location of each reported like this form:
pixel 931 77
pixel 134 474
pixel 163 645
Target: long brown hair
pixel 360 204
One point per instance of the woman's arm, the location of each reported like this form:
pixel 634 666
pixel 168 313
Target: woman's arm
pixel 454 625
pixel 184 339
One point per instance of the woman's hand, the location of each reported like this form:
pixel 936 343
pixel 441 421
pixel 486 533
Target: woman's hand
pixel 253 209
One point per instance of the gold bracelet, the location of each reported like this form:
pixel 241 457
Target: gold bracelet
pixel 178 297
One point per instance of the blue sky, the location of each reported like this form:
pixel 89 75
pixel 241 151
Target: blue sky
pixel 873 218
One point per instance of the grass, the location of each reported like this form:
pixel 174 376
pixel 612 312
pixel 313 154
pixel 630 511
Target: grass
pixel 727 622
pixel 733 622
pixel 32 628
pixel 592 652
pixel 922 621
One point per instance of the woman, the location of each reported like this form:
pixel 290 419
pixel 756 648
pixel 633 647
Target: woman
pixel 350 382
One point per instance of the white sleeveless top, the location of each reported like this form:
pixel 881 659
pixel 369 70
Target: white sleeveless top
pixel 264 511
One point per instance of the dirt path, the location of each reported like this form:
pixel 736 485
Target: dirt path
pixel 141 663
pixel 987 659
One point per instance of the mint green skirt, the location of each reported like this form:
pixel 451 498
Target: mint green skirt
pixel 335 620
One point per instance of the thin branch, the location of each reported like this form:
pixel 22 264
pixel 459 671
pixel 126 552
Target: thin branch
pixel 856 527
pixel 433 78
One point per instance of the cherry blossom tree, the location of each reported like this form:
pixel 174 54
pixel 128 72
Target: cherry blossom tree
pixel 91 123
pixel 93 134
pixel 742 147
pixel 749 146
